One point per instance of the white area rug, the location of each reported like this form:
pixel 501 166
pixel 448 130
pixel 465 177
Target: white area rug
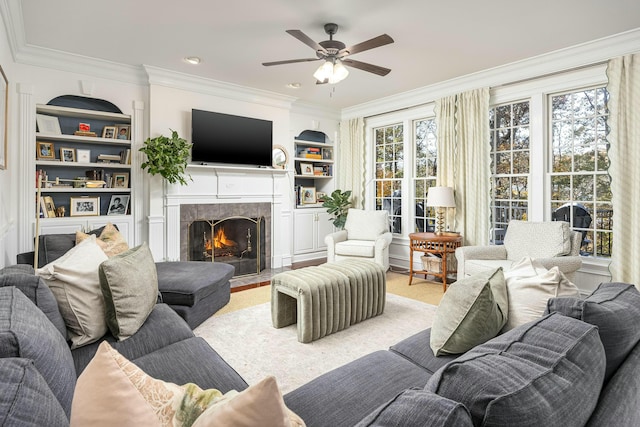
pixel 254 348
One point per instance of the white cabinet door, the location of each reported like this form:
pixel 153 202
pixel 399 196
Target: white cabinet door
pixel 324 227
pixel 304 231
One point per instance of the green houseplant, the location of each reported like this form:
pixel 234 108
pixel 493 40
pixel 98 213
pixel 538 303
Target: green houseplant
pixel 338 205
pixel 167 157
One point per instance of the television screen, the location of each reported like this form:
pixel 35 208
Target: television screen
pixel 225 138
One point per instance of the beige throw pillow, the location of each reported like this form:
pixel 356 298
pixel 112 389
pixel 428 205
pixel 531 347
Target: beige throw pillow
pixel 73 279
pixel 110 240
pixel 529 287
pixel 471 312
pixel 129 283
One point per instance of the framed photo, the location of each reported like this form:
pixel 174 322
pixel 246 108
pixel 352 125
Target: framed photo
pixel 123 132
pixel 67 154
pixel 49 207
pixel 83 156
pixel 320 196
pixel 48 124
pixel 306 168
pixel 4 106
pixel 84 206
pixel 109 132
pixel 308 195
pixel 121 180
pixel 327 154
pixel 45 151
pixel 118 205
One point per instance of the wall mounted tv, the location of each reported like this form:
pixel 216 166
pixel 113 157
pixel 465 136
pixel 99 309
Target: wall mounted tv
pixel 224 138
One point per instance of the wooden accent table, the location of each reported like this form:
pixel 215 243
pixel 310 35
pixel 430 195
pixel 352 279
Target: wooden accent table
pixel 430 243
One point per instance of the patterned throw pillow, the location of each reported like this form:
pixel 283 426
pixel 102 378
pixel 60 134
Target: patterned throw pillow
pixel 110 240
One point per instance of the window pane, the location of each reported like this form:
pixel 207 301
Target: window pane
pixel 425 173
pixel 389 171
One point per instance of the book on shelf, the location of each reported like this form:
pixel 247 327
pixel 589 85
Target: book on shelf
pixel 109 157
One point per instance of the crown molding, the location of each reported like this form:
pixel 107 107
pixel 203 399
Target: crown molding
pixel 315 110
pixel 593 52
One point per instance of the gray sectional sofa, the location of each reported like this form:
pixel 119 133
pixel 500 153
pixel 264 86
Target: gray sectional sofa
pixel 578 365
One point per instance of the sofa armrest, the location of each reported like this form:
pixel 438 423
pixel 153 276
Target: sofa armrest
pixel 465 253
pixel 383 241
pixel 330 240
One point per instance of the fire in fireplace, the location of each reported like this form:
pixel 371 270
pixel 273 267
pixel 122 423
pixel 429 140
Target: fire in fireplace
pixel 233 240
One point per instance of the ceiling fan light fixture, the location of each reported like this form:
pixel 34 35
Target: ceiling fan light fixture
pixel 340 72
pixel 324 71
pixel 332 71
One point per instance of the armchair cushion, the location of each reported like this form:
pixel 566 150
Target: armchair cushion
pixel 366 225
pixel 537 239
pixel 359 248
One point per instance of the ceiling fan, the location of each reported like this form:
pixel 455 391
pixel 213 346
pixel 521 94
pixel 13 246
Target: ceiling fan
pixel 335 54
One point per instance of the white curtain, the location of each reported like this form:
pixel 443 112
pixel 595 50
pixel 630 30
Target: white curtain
pixel 351 160
pixel 464 160
pixel 624 169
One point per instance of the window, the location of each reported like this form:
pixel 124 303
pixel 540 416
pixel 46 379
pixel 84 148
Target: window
pixel 425 171
pixel 509 127
pixel 580 186
pixel 389 169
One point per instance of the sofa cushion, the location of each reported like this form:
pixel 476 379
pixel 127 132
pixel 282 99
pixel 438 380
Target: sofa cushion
pixel 537 239
pixel 37 291
pixel 529 287
pixel 472 311
pixel 73 279
pixel 418 408
pixel 361 248
pixel 366 224
pixel 186 283
pixel 415 350
pixel 26 332
pixel 110 240
pixel 615 309
pixel 53 246
pixel 129 283
pixel 549 371
pixel 26 399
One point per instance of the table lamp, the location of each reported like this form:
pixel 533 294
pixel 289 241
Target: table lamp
pixel 441 198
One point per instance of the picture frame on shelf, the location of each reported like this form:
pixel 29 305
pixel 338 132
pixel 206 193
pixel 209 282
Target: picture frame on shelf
pixel 67 154
pixel 320 196
pixel 109 132
pixel 308 195
pixel 318 171
pixel 83 156
pixel 123 132
pixel 306 168
pixel 118 205
pixel 49 125
pixel 49 206
pixel 327 154
pixel 121 180
pixel 4 107
pixel 84 206
pixel 45 151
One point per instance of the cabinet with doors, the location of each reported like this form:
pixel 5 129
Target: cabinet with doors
pixel 82 166
pixel 311 226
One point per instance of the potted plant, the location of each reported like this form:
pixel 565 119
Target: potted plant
pixel 167 157
pixel 338 205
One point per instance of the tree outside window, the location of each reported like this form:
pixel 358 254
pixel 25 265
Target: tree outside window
pixel 389 172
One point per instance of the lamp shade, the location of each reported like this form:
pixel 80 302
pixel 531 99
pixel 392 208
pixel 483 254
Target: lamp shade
pixel 441 197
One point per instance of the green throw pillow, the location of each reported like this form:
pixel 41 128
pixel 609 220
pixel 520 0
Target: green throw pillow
pixel 129 284
pixel 471 312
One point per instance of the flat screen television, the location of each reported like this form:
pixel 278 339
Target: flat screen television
pixel 229 139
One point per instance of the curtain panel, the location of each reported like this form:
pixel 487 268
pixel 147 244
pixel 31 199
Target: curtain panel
pixel 351 160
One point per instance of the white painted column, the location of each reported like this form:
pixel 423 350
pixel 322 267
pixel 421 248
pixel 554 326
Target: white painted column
pixel 26 135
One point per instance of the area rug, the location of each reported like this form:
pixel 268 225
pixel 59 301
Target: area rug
pixel 255 349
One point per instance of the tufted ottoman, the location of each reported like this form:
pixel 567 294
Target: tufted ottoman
pixel 195 290
pixel 327 298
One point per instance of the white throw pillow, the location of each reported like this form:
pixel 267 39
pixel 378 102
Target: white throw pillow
pixel 73 279
pixel 529 287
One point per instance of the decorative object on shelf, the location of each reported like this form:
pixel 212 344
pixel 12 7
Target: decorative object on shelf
pixel 308 195
pixel 280 157
pixel 123 132
pixel 338 204
pixel 118 204
pixel 108 158
pixel 48 124
pixel 60 211
pixel 79 182
pixel 83 156
pixel 109 132
pixel 49 207
pixel 327 154
pixel 306 168
pixel 67 154
pixel 84 206
pixel 4 107
pixel 321 196
pixel 120 180
pixel 167 157
pixel 84 129
pixel 45 151
pixel 441 198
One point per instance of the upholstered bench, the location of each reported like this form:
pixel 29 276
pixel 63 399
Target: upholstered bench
pixel 195 290
pixel 327 298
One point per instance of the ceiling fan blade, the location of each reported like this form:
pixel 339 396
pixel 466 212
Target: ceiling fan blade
pixel 375 69
pixel 307 40
pixel 366 45
pixel 289 61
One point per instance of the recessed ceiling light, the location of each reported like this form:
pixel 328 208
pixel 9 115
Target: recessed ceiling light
pixel 192 60
pixel 295 85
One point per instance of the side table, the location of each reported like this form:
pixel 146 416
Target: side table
pixel 430 243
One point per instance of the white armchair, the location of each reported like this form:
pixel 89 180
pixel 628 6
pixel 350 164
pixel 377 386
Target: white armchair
pixel 552 243
pixel 366 235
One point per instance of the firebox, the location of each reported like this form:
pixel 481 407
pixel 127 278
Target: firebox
pixel 235 240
